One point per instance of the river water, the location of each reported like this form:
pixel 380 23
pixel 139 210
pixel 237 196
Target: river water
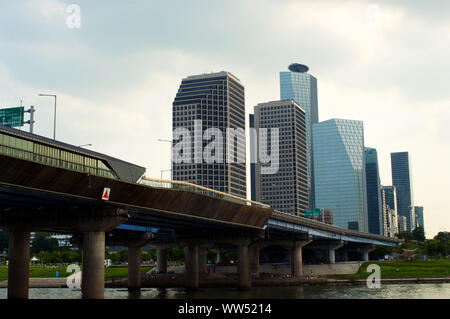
pixel 387 291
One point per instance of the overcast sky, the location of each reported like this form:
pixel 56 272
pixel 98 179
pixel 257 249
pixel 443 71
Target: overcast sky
pixel 383 62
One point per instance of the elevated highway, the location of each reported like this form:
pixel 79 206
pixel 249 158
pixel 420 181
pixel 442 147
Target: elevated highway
pixel 47 185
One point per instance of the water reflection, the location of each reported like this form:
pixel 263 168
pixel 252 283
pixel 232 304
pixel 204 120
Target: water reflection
pixel 396 291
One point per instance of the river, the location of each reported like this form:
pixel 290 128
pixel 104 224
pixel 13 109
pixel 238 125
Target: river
pixel 387 291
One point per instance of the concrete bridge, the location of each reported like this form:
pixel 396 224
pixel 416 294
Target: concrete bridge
pixel 46 185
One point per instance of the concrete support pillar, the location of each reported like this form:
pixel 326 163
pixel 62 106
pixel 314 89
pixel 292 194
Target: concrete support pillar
pixel 134 268
pixel 365 255
pixel 332 255
pixel 244 267
pixel 191 263
pixel 93 275
pixel 220 257
pixel 162 261
pixel 297 261
pixel 255 260
pixel 19 263
pixel 202 259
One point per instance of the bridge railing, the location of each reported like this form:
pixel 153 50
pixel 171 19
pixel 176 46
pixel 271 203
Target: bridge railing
pixel 54 161
pixel 170 184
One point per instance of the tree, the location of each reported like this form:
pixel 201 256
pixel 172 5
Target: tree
pixel 43 242
pixel 4 240
pixel 419 234
pixel 406 235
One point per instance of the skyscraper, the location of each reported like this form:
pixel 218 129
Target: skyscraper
pixel 300 86
pixel 207 101
pixel 391 196
pixel 286 189
pixel 339 170
pixel 402 180
pixel 373 192
pixel 390 217
pixel 419 216
pixel 390 214
pixel 253 157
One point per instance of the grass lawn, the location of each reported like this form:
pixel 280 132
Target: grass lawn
pixel 407 269
pixel 48 272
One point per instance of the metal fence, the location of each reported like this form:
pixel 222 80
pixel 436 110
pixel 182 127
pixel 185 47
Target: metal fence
pixel 169 184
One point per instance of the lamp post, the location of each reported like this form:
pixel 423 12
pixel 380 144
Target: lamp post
pixel 167 141
pixel 85 145
pixel 165 170
pixel 54 119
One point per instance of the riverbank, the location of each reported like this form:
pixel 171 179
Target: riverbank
pixel 50 272
pixel 397 269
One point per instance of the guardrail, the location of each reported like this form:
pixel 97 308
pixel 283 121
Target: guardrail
pixel 169 184
pixel 333 228
pixel 52 161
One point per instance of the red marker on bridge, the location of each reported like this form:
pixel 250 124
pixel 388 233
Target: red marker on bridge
pixel 106 192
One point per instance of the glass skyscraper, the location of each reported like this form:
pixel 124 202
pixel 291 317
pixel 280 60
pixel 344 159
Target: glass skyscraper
pixel 402 180
pixel 339 170
pixel 419 216
pixel 300 86
pixel 214 100
pixel 285 190
pixel 373 184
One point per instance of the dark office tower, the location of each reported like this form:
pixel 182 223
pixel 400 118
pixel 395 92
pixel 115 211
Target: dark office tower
pixel 297 84
pixel 286 188
pixel 373 185
pixel 253 157
pixel 402 180
pixel 208 102
pixel 391 196
pixel 419 216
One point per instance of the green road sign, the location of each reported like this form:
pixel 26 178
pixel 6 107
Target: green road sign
pixel 312 212
pixel 12 117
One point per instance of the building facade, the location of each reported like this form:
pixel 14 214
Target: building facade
pixel 211 101
pixel 339 170
pixel 300 86
pixel 419 216
pixel 390 216
pixel 374 211
pixel 402 180
pixel 285 190
pixel 402 223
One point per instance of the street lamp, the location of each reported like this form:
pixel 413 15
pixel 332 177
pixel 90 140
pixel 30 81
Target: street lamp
pixel 167 141
pixel 164 170
pixel 84 145
pixel 54 120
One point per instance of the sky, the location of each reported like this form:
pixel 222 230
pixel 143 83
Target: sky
pixel 117 68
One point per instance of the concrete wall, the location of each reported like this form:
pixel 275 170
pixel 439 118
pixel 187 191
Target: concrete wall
pixel 349 267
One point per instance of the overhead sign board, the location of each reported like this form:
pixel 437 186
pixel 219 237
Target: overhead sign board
pixel 312 212
pixel 12 117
